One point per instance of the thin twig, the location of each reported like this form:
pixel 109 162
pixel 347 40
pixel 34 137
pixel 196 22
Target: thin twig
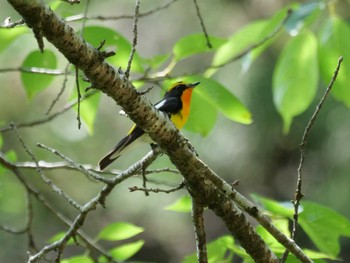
pixel 49 182
pixel 83 24
pixel 63 88
pixel 103 18
pixel 79 96
pixel 87 240
pixel 84 170
pixel 47 118
pixel 202 24
pixel 134 41
pixel 99 199
pixel 157 190
pixel 199 230
pixel 34 70
pixel 298 192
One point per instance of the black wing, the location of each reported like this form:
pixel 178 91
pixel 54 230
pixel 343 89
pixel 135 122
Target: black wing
pixel 169 105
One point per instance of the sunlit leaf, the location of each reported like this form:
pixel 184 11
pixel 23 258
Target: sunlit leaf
pixel 194 44
pixel 334 42
pixel 324 227
pixel 182 205
pixel 116 42
pixel 295 77
pixel 126 251
pixel 8 35
pixel 78 259
pixel 34 83
pixel 119 231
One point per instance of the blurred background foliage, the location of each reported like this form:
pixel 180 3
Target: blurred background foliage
pixel 274 89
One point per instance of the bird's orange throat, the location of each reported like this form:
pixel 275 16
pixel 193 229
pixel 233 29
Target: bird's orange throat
pixel 180 119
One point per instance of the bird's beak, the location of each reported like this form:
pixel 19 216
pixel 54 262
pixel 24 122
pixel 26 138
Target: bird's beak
pixel 192 85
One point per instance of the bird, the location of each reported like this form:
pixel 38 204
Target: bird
pixel 175 103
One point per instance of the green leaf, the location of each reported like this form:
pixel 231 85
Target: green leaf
pixel 195 44
pixel 126 251
pixel 182 205
pixel 217 251
pixel 334 42
pixel 1 141
pixel 59 236
pixel 324 226
pixel 238 42
pixel 284 209
pixel 295 77
pixel 221 99
pixel 199 108
pixel 78 259
pixel 34 83
pixel 301 15
pixel 8 35
pixel 116 42
pixel 119 231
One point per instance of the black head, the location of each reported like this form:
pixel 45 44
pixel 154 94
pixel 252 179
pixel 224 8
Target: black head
pixel 178 88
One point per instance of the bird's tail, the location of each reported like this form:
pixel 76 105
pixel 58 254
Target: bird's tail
pixel 114 154
pixel 135 133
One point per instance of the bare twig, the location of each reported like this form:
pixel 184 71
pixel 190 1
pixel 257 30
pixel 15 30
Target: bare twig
pixel 199 230
pixel 54 187
pixel 45 71
pixel 83 24
pixel 103 18
pixel 87 240
pixel 298 192
pixel 100 198
pixel 47 118
pixel 157 190
pixel 134 41
pixel 87 172
pixel 202 24
pixel 63 88
pixel 78 95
